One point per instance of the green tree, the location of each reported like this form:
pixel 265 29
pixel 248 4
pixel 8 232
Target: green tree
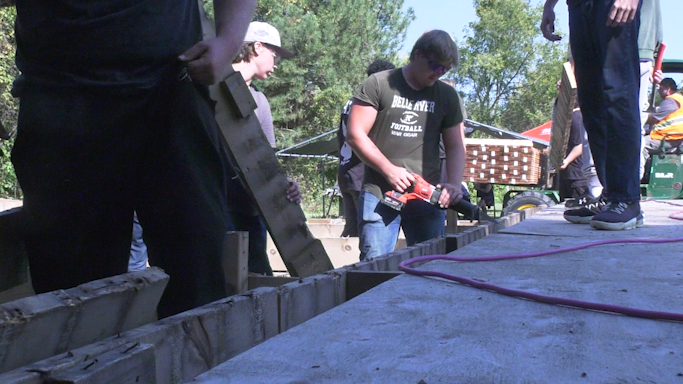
pixel 9 106
pixel 508 71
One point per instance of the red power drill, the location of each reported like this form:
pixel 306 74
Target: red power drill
pixel 422 190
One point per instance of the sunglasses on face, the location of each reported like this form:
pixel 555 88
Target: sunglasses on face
pixel 276 57
pixel 438 69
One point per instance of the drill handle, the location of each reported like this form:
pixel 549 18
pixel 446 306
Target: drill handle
pixel 469 210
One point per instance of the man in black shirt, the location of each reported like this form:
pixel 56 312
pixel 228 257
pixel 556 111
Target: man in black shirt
pixel 114 118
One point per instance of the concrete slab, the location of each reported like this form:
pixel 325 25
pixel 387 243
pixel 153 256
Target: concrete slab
pixel 549 222
pixel 423 330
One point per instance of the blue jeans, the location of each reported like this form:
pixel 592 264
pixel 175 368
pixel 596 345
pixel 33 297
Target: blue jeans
pixel 607 69
pixel 138 249
pixel 379 224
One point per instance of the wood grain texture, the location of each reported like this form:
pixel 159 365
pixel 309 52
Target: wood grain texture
pixel 562 117
pixel 265 179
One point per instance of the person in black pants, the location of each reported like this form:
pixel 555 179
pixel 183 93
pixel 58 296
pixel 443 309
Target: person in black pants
pixel 604 45
pixel 115 117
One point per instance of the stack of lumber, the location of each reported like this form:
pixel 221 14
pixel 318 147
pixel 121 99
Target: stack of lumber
pixel 502 162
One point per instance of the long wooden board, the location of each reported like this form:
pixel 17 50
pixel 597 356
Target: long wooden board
pixel 562 117
pixel 265 179
pixel 13 259
pixel 262 174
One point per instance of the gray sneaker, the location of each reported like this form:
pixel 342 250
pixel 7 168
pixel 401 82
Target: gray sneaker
pixel 618 217
pixel 584 215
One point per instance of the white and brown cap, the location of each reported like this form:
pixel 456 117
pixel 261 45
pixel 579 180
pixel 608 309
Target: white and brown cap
pixel 267 34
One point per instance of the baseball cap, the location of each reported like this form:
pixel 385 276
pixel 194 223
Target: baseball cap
pixel 267 34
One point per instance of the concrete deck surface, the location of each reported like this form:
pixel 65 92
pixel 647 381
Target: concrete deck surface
pixel 422 330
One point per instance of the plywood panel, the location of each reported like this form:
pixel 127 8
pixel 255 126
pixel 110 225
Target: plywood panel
pixel 562 117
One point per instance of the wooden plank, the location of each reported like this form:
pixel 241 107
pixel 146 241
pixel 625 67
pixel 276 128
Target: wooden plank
pixel 236 262
pixel 451 221
pixel 359 282
pixel 562 117
pixel 41 326
pixel 16 293
pixel 185 345
pixel 269 281
pixel 13 258
pixel 301 300
pixel 134 364
pixel 265 179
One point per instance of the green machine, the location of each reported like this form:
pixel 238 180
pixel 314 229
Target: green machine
pixel 666 171
pixel 666 175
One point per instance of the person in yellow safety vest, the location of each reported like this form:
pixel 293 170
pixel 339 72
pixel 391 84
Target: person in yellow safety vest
pixel 666 120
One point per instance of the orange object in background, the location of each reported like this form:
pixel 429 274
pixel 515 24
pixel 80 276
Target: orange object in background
pixel 542 132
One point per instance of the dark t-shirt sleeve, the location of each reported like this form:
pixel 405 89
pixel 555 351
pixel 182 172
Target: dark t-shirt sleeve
pixel 456 110
pixel 462 107
pixel 369 92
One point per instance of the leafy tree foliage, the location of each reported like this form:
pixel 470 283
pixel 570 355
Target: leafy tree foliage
pixel 508 71
pixel 8 105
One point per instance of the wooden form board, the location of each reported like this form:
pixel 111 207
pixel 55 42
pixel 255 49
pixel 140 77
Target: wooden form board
pixel 262 174
pixel 562 117
pixel 497 161
pixel 265 179
pixel 37 327
pixel 13 258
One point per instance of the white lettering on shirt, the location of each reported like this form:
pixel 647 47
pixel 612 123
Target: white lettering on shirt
pixel 412 105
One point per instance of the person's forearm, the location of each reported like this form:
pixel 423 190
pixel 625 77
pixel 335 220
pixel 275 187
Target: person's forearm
pixel 232 19
pixel 574 153
pixel 455 158
pixel 550 4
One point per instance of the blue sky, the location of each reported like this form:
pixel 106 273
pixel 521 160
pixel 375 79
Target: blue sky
pixel 453 16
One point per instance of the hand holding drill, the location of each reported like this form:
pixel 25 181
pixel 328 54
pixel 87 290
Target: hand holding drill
pixel 422 190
